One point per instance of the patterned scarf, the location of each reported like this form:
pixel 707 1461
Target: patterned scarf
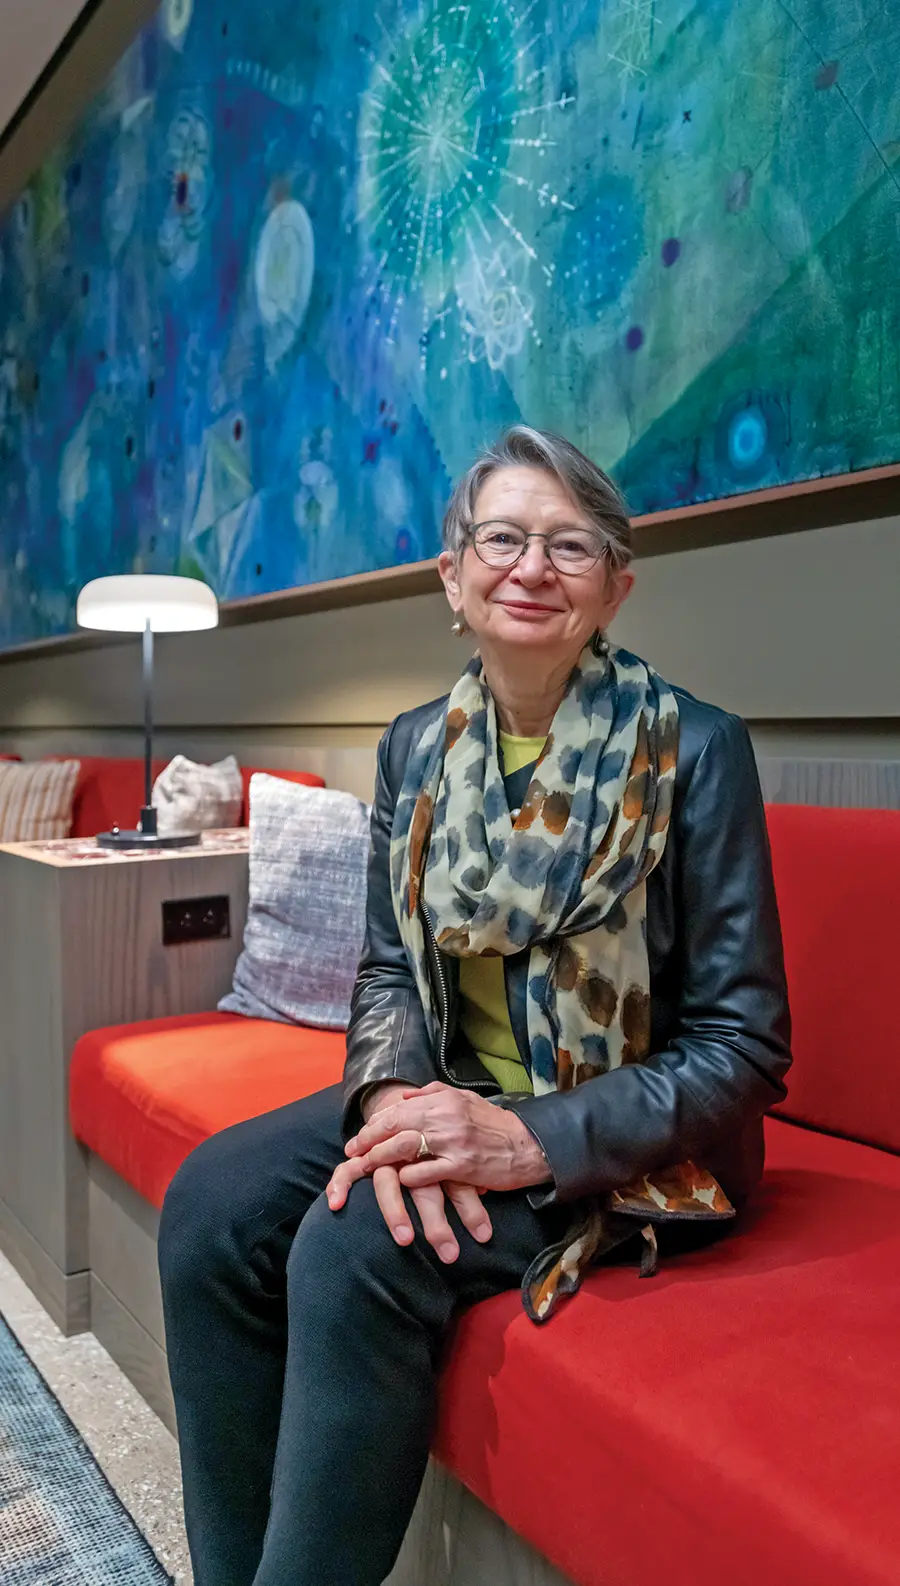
pixel 567 880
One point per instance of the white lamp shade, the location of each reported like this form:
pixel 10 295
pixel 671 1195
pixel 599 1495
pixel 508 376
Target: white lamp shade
pixel 126 602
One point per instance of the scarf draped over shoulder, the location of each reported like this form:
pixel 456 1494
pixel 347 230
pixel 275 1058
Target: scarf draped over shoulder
pixel 566 879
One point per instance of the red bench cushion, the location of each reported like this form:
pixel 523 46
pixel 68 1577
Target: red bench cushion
pixel 836 874
pixel 143 1095
pixel 734 1419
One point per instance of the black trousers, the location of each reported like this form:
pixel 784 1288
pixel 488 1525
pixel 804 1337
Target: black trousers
pixel 304 1350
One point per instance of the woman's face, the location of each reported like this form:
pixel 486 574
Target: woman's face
pixel 531 604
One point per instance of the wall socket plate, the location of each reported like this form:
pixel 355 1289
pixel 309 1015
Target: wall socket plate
pixel 195 920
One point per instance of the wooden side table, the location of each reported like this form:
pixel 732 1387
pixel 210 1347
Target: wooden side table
pixel 81 945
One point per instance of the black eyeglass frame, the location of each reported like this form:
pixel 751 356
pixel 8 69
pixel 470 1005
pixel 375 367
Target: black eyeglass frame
pixel 535 534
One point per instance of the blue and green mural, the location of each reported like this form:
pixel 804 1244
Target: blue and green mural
pixel 300 260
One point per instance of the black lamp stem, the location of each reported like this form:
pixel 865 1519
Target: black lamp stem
pixel 148 819
pixel 146 835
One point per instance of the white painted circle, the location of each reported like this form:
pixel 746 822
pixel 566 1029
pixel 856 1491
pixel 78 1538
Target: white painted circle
pixel 285 260
pixel 176 19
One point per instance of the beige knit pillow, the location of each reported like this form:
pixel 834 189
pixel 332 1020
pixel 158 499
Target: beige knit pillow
pixel 189 797
pixel 36 799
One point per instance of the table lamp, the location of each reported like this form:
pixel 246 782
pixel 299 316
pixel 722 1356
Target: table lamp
pixel 146 603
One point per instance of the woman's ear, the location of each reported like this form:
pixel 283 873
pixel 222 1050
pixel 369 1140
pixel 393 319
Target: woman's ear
pixel 618 589
pixel 448 567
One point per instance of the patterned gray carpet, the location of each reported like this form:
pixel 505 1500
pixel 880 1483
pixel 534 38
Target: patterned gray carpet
pixel 61 1524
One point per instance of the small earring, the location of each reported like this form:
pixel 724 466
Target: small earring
pixel 459 626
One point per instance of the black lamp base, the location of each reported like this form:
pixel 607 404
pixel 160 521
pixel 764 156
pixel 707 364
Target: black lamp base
pixel 121 839
pixel 146 835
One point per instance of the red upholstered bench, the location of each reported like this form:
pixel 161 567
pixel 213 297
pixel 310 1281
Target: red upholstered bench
pixel 737 1417
pixel 734 1420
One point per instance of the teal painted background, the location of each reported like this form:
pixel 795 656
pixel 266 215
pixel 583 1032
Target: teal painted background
pixel 299 261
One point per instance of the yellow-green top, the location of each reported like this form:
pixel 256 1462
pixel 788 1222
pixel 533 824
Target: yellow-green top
pixel 484 1013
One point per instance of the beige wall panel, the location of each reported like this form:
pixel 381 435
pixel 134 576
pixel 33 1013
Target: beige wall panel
pixel 804 626
pixel 862 739
pixel 350 766
pixel 353 667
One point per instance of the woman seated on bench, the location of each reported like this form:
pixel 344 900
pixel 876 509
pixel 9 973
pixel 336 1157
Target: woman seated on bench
pixel 569 1019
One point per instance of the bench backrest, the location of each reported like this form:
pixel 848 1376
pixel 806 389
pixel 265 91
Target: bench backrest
pixel 110 791
pixel 837 874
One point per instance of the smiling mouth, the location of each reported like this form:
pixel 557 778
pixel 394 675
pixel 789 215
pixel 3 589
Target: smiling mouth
pixel 527 605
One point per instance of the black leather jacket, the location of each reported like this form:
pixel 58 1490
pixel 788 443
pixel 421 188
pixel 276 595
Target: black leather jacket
pixel 720 1026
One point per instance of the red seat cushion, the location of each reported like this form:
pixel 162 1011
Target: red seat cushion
pixel 143 1095
pixel 734 1419
pixel 836 876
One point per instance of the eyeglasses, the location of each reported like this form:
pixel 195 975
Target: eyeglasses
pixel 502 544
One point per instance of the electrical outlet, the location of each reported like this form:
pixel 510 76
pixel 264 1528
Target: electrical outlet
pixel 195 920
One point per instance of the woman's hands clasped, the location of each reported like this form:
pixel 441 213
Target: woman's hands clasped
pixel 474 1146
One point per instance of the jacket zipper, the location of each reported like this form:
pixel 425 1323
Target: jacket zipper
pixel 474 1084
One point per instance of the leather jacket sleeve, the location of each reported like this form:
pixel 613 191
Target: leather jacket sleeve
pixel 724 1065
pixel 387 1037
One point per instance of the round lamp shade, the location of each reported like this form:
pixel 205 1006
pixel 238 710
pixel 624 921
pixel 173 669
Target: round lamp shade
pixel 126 602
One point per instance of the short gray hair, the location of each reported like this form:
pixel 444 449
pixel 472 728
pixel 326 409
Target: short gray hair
pixel 590 488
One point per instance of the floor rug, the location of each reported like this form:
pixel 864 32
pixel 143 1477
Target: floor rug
pixel 61 1523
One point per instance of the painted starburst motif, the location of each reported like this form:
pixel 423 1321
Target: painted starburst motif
pixel 632 41
pixel 452 128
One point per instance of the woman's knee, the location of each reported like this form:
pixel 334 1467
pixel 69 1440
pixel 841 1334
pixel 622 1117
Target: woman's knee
pixel 337 1257
pixel 237 1197
pixel 203 1204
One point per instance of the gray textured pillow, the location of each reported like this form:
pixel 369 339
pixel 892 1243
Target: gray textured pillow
pixel 189 797
pixel 304 933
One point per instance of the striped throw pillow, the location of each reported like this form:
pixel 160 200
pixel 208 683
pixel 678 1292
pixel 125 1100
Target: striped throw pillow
pixel 36 799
